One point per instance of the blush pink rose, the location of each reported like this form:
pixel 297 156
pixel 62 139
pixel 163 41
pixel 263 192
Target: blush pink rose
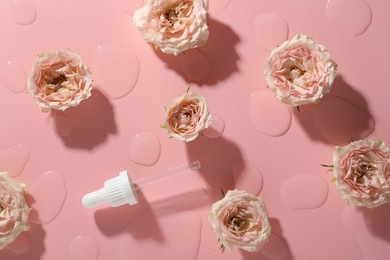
pixel 240 220
pixel 59 80
pixel 300 71
pixel 173 25
pixel 14 210
pixel 362 172
pixel 187 116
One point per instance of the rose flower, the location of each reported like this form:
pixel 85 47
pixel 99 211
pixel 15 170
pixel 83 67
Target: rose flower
pixel 300 71
pixel 187 116
pixel 59 80
pixel 362 172
pixel 173 25
pixel 240 219
pixel 13 210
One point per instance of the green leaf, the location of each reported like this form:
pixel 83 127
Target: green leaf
pixel 327 165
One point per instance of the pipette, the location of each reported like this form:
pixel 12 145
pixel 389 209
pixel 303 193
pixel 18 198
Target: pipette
pixel 122 189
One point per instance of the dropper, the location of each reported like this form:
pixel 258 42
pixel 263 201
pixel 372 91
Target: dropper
pixel 122 189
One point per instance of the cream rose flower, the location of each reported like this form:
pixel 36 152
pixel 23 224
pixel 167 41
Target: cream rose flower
pixel 300 71
pixel 13 210
pixel 187 116
pixel 240 219
pixel 59 80
pixel 362 172
pixel 173 25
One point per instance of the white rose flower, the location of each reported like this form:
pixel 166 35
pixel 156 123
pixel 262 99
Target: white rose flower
pixel 187 116
pixel 59 80
pixel 300 71
pixel 362 172
pixel 173 25
pixel 240 219
pixel 14 210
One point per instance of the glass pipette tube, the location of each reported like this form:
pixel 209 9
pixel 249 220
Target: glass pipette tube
pixel 184 168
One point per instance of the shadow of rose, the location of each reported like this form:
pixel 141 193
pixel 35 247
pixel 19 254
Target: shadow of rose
pixel 112 221
pixel 218 160
pixel 89 124
pixel 341 116
pixel 211 63
pixel 377 221
pixel 276 248
pixel 29 245
pixel 190 200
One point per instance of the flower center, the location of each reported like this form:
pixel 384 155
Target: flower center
pixel 238 224
pixel 295 73
pixel 185 115
pixel 175 19
pixel 362 170
pixel 56 83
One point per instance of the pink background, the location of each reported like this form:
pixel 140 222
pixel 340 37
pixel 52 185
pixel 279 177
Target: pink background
pixel 255 144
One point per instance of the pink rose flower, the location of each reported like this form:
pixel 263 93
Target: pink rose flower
pixel 173 25
pixel 13 210
pixel 59 80
pixel 187 116
pixel 240 219
pixel 300 71
pixel 362 172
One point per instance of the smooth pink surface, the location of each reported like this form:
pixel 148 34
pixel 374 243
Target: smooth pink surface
pixel 218 6
pixel 262 147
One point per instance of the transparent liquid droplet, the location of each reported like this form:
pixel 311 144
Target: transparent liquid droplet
pixel 194 64
pixel 145 149
pixel 271 30
pixel 304 191
pixel 218 6
pixel 13 76
pixel 164 234
pixel 268 115
pixel 47 196
pixel 354 15
pixel 116 70
pixel 216 128
pixel 247 177
pixel 84 248
pixel 23 11
pixel 14 159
